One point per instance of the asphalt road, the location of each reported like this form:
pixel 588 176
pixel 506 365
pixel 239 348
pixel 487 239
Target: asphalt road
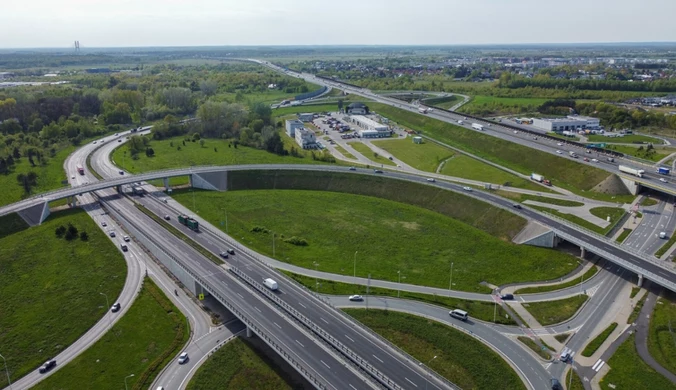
pixel 658 218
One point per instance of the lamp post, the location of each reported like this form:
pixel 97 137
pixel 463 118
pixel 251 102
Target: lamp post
pixel 273 244
pixel 450 282
pixel 355 267
pixel 427 377
pixel 316 281
pixel 125 381
pixel 7 372
pixel 107 304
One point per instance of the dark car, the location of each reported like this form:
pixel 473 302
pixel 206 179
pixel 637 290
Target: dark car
pixel 124 248
pixel 377 171
pixel 516 206
pixel 167 217
pixel 556 385
pixel 507 297
pixel 49 364
pixel 224 255
pixel 121 172
pixel 231 251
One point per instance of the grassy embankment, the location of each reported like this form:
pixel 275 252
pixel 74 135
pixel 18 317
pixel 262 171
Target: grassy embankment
pixel 629 371
pixel 491 105
pixel 627 139
pixel 521 198
pixel 50 287
pixel 530 343
pixel 664 248
pixel 555 312
pixel 239 365
pixel 149 335
pixel 567 173
pixel 601 212
pixel 661 336
pixel 367 152
pixel 344 152
pixel 443 102
pixel 659 153
pixel 478 310
pixel 598 340
pixel 461 359
pixel 541 289
pixel 576 382
pixel 336 225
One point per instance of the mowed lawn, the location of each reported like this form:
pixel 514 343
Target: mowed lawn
pixel 629 371
pixel 50 288
pixel 627 139
pixel 660 338
pixel 150 334
pixel 425 157
pixel 460 358
pixel 50 177
pixel 501 105
pixel 388 236
pixel 369 153
pixel 214 152
pixel 470 168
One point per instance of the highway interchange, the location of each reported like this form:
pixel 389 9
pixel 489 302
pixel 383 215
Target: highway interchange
pixel 533 372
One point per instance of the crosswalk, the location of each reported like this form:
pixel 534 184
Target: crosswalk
pixel 598 365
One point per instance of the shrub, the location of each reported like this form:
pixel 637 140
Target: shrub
pixel 296 241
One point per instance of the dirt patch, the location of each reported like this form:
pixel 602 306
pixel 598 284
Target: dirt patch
pixel 612 185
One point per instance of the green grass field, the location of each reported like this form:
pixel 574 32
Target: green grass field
pixel 524 197
pixel 565 172
pixel 461 359
pixel 530 343
pixel 598 340
pixel 444 102
pixel 660 151
pixel 627 139
pixel 344 152
pixel 149 335
pixel 575 381
pixel 50 289
pixel 629 371
pixel 491 105
pixel 167 156
pixel 648 201
pixel 478 310
pixel 425 157
pixel 367 152
pixel 555 312
pixel 469 168
pixel 336 225
pixel 615 214
pixel 239 365
pixel 10 224
pixel 540 289
pixel 49 177
pixel 661 344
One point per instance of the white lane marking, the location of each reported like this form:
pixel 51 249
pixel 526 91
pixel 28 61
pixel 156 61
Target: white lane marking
pixel 277 325
pixel 378 359
pixel 409 381
pixel 352 386
pixel 259 310
pixel 302 305
pixel 300 343
pixel 349 338
pixel 240 295
pixel 323 320
pixel 327 366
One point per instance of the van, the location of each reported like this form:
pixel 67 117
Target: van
pixel 271 284
pixel 459 314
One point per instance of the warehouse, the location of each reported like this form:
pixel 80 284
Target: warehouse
pixel 368 124
pixel 570 123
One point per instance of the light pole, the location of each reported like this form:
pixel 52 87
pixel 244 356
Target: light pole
pixel 125 381
pixel 427 377
pixel 450 281
pixel 107 304
pixel 355 267
pixel 399 286
pixel 7 372
pixel 316 281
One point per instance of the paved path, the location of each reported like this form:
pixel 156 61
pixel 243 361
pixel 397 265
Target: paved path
pixel 642 329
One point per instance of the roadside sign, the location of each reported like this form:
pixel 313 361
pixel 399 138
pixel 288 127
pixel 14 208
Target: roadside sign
pixel 201 297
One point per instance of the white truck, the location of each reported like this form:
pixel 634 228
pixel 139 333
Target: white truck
pixel 536 177
pixel 424 110
pixel 632 171
pixel 271 284
pixel 460 122
pixel 477 126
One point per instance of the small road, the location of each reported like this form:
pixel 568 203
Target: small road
pixel 642 330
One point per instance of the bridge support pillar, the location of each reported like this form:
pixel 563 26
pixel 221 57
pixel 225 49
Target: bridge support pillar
pixel 166 183
pixel 640 280
pixel 583 252
pixel 119 189
pixel 249 333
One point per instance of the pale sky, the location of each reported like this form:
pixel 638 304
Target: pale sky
pixel 125 23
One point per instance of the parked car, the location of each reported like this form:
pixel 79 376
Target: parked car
pixel 49 364
pixel 356 298
pixel 183 358
pixel 116 307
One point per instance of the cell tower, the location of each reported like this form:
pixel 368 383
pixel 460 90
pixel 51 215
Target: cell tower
pixel 77 47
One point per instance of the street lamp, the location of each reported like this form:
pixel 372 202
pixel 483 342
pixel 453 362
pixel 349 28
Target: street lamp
pixel 7 372
pixel 450 282
pixel 125 381
pixel 107 304
pixel 427 378
pixel 355 267
pixel 316 280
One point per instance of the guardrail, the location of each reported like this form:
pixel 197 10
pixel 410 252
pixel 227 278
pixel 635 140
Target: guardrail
pixel 263 334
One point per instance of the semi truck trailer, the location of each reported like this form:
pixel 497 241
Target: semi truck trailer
pixel 663 171
pixel 632 171
pixel 477 126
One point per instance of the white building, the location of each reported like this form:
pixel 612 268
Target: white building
pixel 570 123
pixel 305 138
pixel 590 122
pixel 292 125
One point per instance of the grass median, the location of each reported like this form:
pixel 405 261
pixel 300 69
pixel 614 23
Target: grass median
pixel 149 335
pixel 425 156
pixel 661 336
pixel 480 310
pixel 595 344
pixel 532 345
pixel 331 227
pixel 344 152
pixel 664 248
pixel 541 289
pixel 556 312
pixel 461 359
pixel 543 199
pixel 623 236
pixel 470 168
pixel 51 287
pixel 601 212
pixel 367 152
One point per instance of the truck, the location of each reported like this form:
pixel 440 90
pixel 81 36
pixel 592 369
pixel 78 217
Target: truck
pixel 540 178
pixel 80 169
pixel 460 122
pixel 424 110
pixel 663 171
pixel 191 223
pixel 477 126
pixel 271 284
pixel 572 154
pixel 632 171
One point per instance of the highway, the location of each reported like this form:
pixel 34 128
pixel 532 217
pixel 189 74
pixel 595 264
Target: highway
pixel 656 219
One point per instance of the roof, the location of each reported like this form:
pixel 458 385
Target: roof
pixel 357 105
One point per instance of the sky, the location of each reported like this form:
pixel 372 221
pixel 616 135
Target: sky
pixel 134 23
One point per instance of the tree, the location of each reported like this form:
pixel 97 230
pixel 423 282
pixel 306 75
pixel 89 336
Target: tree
pixel 84 236
pixel 208 87
pixel 27 181
pixel 4 169
pixel 202 143
pixel 150 152
pixel 59 231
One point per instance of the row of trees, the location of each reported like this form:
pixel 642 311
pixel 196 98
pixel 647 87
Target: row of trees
pixel 514 81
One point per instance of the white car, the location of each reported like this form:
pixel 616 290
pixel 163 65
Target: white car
pixel 594 160
pixel 356 298
pixel 559 152
pixel 467 188
pixel 431 180
pixel 516 132
pixel 663 180
pixel 183 358
pixel 126 238
pixel 559 144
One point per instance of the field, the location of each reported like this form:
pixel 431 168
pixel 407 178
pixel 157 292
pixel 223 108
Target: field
pixel 239 365
pixel 569 174
pixel 10 224
pixel 524 197
pixel 660 337
pixel 344 152
pixel 615 214
pixel 629 371
pixel 555 312
pixel 460 358
pixel 50 289
pixel 149 335
pixel 540 289
pixel 491 105
pixel 479 310
pixel 336 225
pixel 640 151
pixel 49 177
pixel 598 340
pixel 214 152
pixel 425 157
pixel 370 154
pixel 627 139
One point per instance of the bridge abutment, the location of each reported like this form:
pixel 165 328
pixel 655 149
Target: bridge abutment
pixel 166 183
pixel 640 280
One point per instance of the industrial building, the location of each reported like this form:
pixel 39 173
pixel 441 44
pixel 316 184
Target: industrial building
pixel 305 138
pixel 369 127
pixel 292 125
pixel 357 109
pixel 570 123
pixel 306 117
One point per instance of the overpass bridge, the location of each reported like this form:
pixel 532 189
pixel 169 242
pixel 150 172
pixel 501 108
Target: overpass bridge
pixel 215 178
